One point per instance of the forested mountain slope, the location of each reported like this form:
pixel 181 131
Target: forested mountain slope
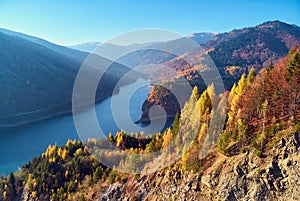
pixel 239 145
pixel 233 54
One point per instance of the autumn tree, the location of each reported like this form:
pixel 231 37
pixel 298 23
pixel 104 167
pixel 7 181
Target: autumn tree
pixel 176 124
pixel 264 118
pixel 293 69
pixel 234 103
pixel 167 137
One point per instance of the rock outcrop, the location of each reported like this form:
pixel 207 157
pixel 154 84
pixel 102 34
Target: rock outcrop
pixel 241 177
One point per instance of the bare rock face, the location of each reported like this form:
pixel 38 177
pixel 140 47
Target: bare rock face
pixel 113 192
pixel 240 177
pixel 25 196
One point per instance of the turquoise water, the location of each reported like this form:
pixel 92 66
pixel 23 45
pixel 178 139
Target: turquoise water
pixel 19 145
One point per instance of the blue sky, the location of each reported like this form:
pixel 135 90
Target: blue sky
pixel 69 22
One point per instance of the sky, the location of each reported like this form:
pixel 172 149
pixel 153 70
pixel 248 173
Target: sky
pixel 69 22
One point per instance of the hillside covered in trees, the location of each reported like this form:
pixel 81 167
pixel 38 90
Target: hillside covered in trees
pixel 257 116
pixel 233 53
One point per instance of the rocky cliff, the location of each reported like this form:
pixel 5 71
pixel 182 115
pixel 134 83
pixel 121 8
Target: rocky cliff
pixel 240 177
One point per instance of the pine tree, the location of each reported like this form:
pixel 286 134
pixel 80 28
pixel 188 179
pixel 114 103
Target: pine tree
pixel 82 198
pixel 204 103
pixel 294 63
pixel 235 98
pixel 11 179
pixel 176 124
pixel 212 94
pixel 251 76
pixel 293 69
pixel 11 187
pixel 167 137
pixel 111 138
pixel 232 94
pixel 241 85
pixel 270 67
pixel 264 114
pixel 189 120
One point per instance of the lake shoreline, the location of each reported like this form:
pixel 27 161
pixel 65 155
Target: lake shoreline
pixel 30 139
pixel 61 113
pixel 54 115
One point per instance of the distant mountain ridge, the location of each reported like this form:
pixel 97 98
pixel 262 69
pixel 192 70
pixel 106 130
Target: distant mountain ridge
pixel 202 37
pixel 134 55
pixel 86 47
pixel 199 38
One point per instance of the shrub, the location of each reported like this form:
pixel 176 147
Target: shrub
pixel 296 128
pixel 136 177
pixel 259 153
pixel 259 171
pixel 113 177
pixel 223 142
pixel 242 150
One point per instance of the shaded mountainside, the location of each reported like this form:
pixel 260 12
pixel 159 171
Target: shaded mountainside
pixel 233 53
pixel 241 145
pixel 37 81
